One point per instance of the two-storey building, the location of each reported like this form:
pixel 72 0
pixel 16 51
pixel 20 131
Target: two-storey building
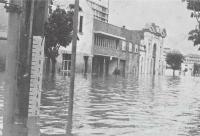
pixel 114 48
pixel 84 44
pixel 102 47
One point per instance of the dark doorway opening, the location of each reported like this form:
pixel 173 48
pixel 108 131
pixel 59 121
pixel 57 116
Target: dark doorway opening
pixel 154 59
pixel 86 63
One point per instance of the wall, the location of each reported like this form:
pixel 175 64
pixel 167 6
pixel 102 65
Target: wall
pixel 112 65
pixel 150 40
pixel 142 64
pixel 3 43
pixel 101 2
pixel 111 30
pixel 3 51
pixel 189 67
pixel 106 27
pixel 132 58
pixel 84 44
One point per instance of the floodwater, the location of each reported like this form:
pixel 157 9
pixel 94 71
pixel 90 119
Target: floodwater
pixel 2 82
pixel 121 106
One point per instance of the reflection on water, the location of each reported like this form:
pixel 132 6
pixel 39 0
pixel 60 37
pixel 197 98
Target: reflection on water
pixel 121 106
pixel 117 106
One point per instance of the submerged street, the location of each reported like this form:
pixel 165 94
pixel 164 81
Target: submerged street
pixel 99 68
pixel 120 106
pixel 123 106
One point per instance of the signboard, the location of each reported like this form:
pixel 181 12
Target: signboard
pixel 36 75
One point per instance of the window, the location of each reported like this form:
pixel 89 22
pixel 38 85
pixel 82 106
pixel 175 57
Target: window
pixel 136 48
pixel 96 40
pixel 81 24
pixel 123 46
pixel 117 44
pixel 130 47
pixel 66 62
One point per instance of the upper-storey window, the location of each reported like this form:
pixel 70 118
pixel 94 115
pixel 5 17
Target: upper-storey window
pixel 100 11
pixel 130 47
pixel 123 46
pixel 81 24
pixel 104 42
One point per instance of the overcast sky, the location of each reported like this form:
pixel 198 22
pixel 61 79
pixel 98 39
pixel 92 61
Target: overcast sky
pixel 169 14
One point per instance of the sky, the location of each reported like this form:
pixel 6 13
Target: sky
pixel 134 14
pixel 169 14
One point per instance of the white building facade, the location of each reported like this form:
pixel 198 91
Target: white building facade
pixel 151 58
pixel 187 67
pixel 84 44
pixel 91 9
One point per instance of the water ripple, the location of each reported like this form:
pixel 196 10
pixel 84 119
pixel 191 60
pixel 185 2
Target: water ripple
pixel 121 106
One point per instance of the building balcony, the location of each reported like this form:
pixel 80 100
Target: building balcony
pixel 109 51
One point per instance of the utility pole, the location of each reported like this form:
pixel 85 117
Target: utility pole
pixel 16 100
pixel 16 121
pixel 73 68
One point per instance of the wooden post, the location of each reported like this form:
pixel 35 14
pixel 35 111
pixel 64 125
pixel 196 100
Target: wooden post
pixel 73 68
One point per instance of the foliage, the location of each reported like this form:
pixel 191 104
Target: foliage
pixel 194 35
pixel 194 6
pixel 58 31
pixel 174 60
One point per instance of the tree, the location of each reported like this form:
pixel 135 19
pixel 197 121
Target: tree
pixel 174 60
pixel 194 35
pixel 58 31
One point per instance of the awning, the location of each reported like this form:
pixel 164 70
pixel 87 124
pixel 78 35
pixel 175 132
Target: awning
pixel 110 35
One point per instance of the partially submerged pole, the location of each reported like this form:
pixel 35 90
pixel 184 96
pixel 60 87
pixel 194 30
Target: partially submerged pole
pixel 19 99
pixel 17 69
pixel 73 68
